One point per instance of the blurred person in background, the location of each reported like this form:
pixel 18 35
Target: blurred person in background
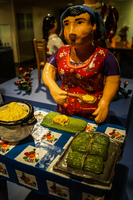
pixel 52 39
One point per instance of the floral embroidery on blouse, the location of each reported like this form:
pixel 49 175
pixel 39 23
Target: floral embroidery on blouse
pixel 62 71
pixel 71 70
pixel 78 76
pixel 100 53
pixel 92 65
pixel 61 55
pixel 66 87
pixel 90 88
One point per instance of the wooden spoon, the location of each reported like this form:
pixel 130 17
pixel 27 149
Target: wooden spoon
pixel 83 97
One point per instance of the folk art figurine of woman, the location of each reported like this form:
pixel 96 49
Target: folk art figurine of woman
pixel 49 28
pixel 84 68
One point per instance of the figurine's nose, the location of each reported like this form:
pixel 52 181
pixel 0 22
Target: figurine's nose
pixel 72 37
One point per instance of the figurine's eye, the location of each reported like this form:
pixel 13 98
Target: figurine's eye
pixel 80 22
pixel 65 24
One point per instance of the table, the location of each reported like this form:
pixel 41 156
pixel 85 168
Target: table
pixel 36 172
pixel 119 112
pixel 119 115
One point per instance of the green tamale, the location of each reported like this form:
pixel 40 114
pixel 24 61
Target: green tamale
pixel 85 144
pixel 74 126
pixel 94 164
pixel 101 139
pixel 80 161
pixel 99 150
pixel 85 135
pixel 74 159
pixel 80 145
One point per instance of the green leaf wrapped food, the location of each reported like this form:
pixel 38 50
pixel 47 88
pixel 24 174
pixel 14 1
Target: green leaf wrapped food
pixel 89 163
pixel 80 145
pixel 74 126
pixel 94 164
pixel 99 150
pixel 101 139
pixel 85 135
pixel 74 159
pixel 92 144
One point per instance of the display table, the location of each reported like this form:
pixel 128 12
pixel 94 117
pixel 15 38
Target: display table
pixel 30 163
pixel 119 115
pixel 119 112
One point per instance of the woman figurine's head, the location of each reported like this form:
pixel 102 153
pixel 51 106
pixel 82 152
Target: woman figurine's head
pixel 81 23
pixel 49 24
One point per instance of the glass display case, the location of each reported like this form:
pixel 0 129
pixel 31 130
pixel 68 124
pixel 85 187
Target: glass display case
pixel 7 68
pixel 5 35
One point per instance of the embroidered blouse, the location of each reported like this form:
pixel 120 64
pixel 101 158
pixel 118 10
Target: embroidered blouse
pixel 83 78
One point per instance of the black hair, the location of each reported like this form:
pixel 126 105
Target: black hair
pixel 48 24
pixel 75 11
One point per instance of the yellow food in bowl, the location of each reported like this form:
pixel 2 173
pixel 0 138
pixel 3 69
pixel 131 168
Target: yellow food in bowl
pixel 13 112
pixel 61 119
pixel 88 97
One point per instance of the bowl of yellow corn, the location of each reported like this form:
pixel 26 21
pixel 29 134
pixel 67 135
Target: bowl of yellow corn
pixel 16 120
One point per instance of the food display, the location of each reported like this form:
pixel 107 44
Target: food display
pixel 90 157
pixel 85 162
pixel 91 143
pixel 88 97
pixel 13 112
pixel 61 119
pixel 74 126
pixel 89 151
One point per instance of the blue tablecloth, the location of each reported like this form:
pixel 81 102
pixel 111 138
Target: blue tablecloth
pixel 119 112
pixel 30 162
pixel 119 115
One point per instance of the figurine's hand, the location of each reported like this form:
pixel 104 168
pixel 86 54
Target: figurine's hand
pixel 101 112
pixel 59 95
pixel 110 89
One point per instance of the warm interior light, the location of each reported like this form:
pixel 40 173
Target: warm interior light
pixel 70 4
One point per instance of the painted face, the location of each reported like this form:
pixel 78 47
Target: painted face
pixel 78 30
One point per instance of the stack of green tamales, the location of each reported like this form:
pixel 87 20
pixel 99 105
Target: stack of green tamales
pixel 89 151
